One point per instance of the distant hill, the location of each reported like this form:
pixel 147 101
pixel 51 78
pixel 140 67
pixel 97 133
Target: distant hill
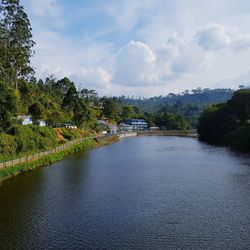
pixel 188 104
pixel 198 97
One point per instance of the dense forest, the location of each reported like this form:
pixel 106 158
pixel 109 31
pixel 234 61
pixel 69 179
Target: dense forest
pixel 228 123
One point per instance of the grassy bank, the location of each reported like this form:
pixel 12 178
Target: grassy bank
pixel 88 144
pixel 21 140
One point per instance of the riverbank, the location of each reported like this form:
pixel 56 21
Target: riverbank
pixel 90 143
pixel 121 136
pixel 181 133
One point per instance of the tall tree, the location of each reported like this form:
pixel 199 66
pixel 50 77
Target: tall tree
pixel 15 42
pixel 8 106
pixel 81 112
pixel 70 99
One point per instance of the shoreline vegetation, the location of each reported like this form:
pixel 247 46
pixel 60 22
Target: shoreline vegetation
pixel 228 124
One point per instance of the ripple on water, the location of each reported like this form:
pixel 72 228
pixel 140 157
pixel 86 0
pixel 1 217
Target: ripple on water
pixel 141 193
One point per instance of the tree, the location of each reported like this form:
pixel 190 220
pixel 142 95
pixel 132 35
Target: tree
pixel 81 112
pixel 228 123
pixel 37 111
pixel 62 86
pixel 89 95
pixel 240 104
pixel 111 108
pixel 127 112
pixel 70 99
pixel 54 118
pixel 8 106
pixel 15 42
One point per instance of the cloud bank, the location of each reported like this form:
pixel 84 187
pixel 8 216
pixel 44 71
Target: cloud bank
pixel 149 47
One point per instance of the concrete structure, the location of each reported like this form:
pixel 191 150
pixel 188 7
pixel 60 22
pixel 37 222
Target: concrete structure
pixel 134 124
pixel 154 128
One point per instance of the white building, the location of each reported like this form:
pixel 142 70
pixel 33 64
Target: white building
pixel 112 128
pixel 125 127
pixel 138 124
pixel 27 120
pixel 133 124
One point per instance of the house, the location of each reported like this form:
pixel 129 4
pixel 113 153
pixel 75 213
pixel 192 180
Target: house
pixel 42 123
pixel 125 127
pixel 27 120
pixel 107 127
pixel 138 124
pixel 133 124
pixel 112 128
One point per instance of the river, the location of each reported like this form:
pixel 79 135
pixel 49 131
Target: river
pixel 142 192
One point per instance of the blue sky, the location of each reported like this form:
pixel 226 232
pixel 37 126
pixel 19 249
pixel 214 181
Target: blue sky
pixel 142 47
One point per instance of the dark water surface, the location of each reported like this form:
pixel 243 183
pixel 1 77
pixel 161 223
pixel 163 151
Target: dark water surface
pixel 143 192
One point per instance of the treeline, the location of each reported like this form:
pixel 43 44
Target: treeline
pixel 199 96
pixel 188 104
pixel 228 123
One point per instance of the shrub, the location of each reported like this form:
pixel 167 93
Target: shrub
pixel 33 138
pixel 8 145
pixel 240 139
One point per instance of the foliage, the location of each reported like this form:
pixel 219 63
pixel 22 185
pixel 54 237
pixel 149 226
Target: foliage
pixel 240 139
pixel 82 112
pixel 15 42
pixel 8 145
pixel 228 124
pixel 33 138
pixel 111 108
pixel 37 111
pixel 71 134
pixel 8 106
pixel 170 121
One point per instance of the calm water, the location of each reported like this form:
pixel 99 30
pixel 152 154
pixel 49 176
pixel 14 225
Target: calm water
pixel 143 192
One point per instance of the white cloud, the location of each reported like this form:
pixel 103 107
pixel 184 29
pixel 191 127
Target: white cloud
pixel 128 14
pixel 41 8
pixel 218 36
pixel 180 56
pixel 91 78
pixel 135 65
pixel 213 37
pixel 180 45
pixel 47 13
pixel 241 42
pixel 242 79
